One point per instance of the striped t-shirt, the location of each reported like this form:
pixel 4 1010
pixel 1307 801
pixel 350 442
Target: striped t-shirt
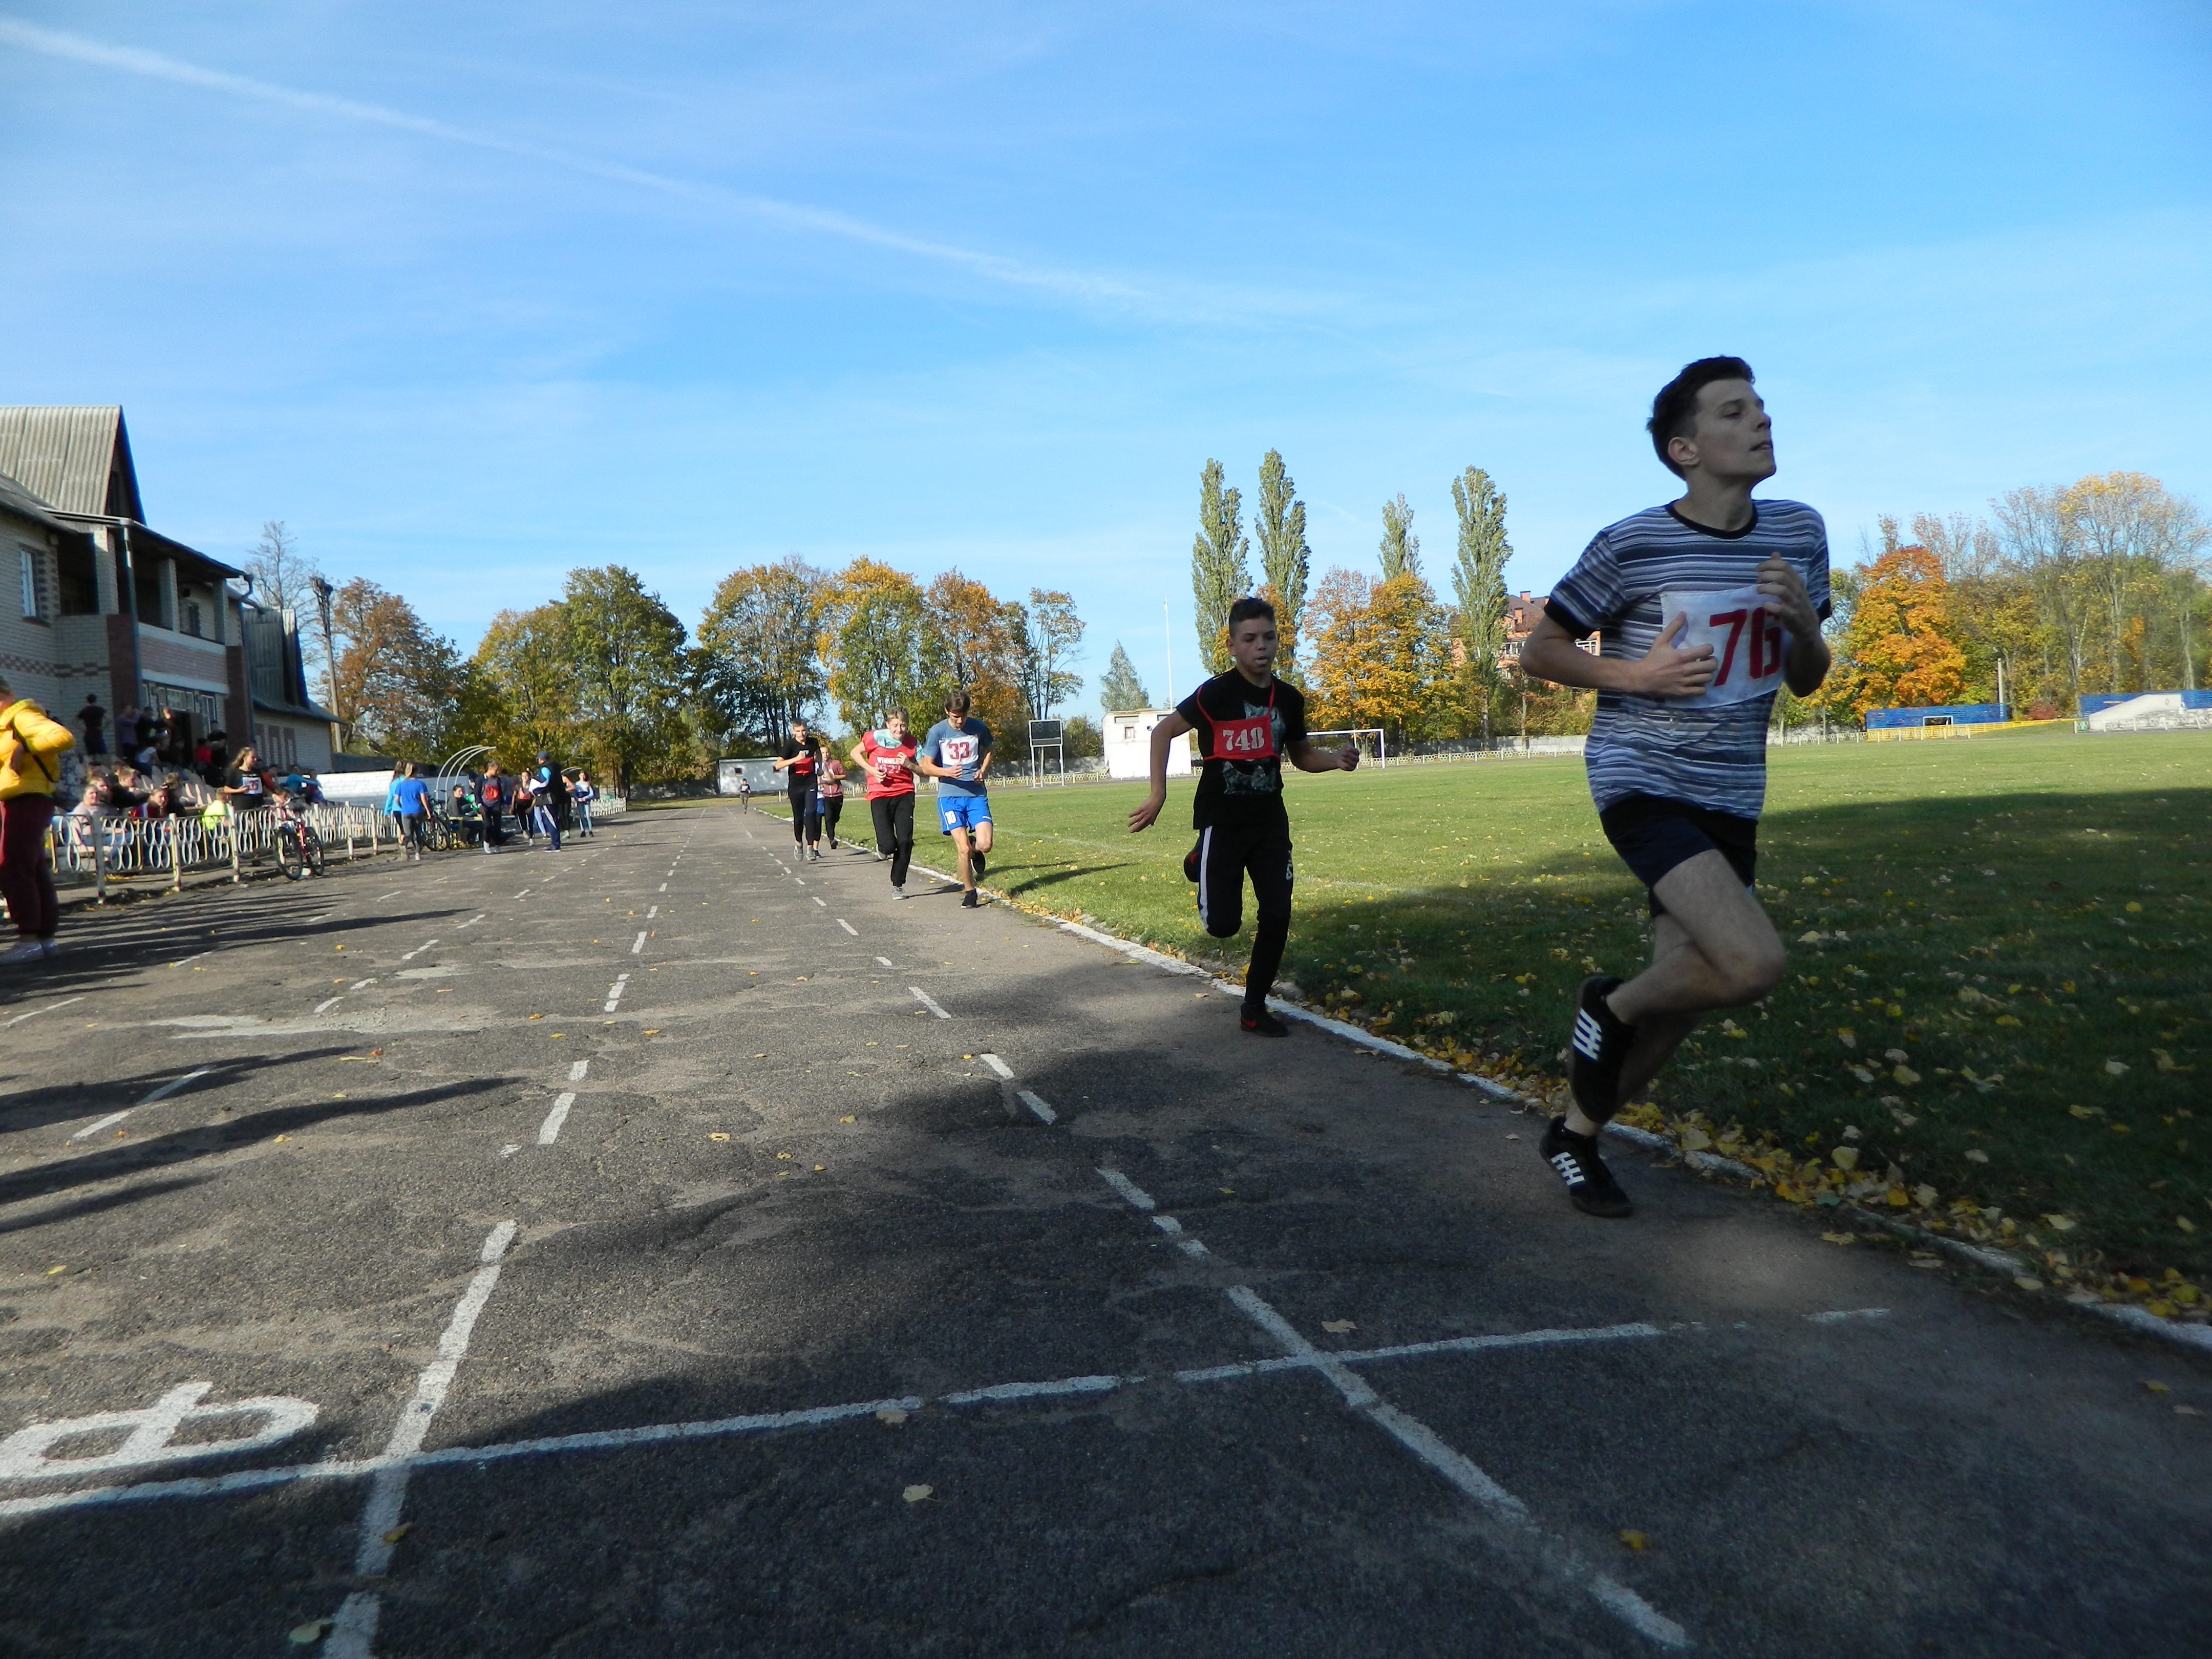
pixel 1713 757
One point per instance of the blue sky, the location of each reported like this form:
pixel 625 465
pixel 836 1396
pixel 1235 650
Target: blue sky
pixel 469 296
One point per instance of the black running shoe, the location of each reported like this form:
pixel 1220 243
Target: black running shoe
pixel 969 901
pixel 1191 861
pixel 1261 1022
pixel 1590 1185
pixel 977 859
pixel 1600 1043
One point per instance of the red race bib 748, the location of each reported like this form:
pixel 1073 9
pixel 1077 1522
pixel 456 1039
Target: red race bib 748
pixel 1246 739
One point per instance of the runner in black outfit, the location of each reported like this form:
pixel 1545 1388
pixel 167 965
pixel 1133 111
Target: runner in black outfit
pixel 1248 721
pixel 801 756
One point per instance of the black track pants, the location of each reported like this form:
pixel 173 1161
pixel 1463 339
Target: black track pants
pixel 894 816
pixel 1226 854
pixel 832 808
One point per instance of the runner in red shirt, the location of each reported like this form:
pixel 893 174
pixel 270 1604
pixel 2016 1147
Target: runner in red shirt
pixel 886 755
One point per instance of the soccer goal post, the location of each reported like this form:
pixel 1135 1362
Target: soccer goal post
pixel 1368 739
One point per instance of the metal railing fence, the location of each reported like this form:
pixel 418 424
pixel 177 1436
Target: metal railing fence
pixel 96 849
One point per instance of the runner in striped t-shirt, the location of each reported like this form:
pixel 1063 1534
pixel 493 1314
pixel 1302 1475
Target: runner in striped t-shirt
pixel 1706 608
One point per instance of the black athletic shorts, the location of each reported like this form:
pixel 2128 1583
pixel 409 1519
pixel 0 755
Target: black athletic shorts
pixel 1653 834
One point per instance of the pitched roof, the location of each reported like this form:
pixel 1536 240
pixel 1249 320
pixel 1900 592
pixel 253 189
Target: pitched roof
pixel 74 456
pixel 14 499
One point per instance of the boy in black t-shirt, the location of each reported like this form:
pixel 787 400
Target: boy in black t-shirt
pixel 1248 720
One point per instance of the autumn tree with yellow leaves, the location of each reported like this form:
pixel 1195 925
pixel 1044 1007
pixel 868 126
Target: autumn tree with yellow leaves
pixel 1901 648
pixel 1380 656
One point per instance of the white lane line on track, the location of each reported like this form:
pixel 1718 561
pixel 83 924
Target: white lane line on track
pixel 418 950
pixel 394 893
pixel 525 892
pixel 1129 1190
pixel 648 1434
pixel 886 961
pixel 653 912
pixel 359 985
pixel 473 920
pixel 1839 1315
pixel 927 1001
pixel 853 930
pixel 662 888
pixel 64 1003
pixel 1045 1114
pixel 550 1131
pixel 1417 1437
pixel 638 949
pixel 576 1071
pixel 354 1630
pixel 614 994
pixel 161 1093
pixel 999 1066
pixel 329 1003
pixel 821 902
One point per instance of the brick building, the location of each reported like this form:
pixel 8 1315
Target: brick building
pixel 111 608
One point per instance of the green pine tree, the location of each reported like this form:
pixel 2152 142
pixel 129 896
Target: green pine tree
pixel 1219 575
pixel 1119 688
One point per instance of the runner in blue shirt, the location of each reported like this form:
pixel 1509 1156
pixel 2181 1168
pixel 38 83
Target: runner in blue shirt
pixel 956 752
pixel 410 799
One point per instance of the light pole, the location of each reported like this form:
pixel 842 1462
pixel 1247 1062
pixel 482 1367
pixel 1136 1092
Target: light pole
pixel 323 592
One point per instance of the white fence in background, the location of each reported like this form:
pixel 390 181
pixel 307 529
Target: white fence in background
pixel 98 850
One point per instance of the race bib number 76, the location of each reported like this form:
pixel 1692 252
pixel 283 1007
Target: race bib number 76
pixel 1748 645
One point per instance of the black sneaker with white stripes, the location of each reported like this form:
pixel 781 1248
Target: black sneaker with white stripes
pixel 1590 1185
pixel 1600 1043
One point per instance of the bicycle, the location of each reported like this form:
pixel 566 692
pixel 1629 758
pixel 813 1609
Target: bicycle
pixel 299 848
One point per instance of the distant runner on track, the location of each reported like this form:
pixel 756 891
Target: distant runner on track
pixel 956 752
pixel 885 757
pixel 1707 607
pixel 1248 720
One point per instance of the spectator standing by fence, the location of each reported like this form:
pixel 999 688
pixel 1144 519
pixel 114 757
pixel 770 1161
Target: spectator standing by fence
pixel 31 748
pixel 583 794
pixel 93 718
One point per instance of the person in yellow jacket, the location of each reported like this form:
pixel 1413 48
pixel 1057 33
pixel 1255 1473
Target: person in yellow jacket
pixel 31 748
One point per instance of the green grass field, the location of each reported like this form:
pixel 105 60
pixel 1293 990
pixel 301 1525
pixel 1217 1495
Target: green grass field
pixel 1998 971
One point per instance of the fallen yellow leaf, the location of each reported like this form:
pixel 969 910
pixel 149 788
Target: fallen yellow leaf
pixel 892 1414
pixel 783 1155
pixel 1846 1157
pixel 717 1134
pixel 1976 1155
pixel 399 1532
pixel 1634 1540
pixel 1337 1327
pixel 915 1494
pixel 64 1268
pixel 848 1119
pixel 1837 1238
pixel 2158 1387
pixel 2026 1283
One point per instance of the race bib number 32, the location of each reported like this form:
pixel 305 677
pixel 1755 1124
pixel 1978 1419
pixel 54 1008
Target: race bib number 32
pixel 1748 645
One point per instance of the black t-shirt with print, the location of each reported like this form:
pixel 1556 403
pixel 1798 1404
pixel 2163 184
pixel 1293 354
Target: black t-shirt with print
pixel 1243 731
pixel 254 783
pixel 799 777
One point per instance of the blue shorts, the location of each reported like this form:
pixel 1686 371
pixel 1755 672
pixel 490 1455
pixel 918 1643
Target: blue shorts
pixel 962 812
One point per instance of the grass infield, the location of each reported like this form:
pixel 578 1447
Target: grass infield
pixel 1996 1006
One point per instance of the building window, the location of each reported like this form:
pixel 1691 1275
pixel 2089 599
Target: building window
pixel 192 620
pixel 29 564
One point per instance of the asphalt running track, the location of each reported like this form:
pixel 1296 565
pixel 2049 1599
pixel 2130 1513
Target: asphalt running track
pixel 601 1252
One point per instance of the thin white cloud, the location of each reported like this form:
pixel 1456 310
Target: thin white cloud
pixel 131 60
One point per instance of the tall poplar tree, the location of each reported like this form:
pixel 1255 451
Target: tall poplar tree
pixel 1280 522
pixel 1401 547
pixel 1219 575
pixel 1478 584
